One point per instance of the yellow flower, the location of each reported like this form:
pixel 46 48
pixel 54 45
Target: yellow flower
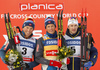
pixel 11 51
pixel 60 59
pixel 14 67
pixel 61 50
pixel 65 53
pixel 17 66
pixel 69 50
pixel 7 56
pixel 18 62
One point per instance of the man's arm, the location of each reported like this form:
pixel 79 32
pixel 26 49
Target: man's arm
pixel 93 54
pixel 34 63
pixel 93 57
pixel 39 52
pixel 3 52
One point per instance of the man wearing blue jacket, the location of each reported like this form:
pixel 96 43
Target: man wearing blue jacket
pixel 73 40
pixel 26 46
pixel 47 47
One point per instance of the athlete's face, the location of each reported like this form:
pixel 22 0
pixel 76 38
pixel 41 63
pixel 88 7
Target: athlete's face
pixel 73 28
pixel 28 31
pixel 50 28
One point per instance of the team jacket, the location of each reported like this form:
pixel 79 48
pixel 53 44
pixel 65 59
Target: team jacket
pixel 27 48
pixel 46 50
pixel 74 42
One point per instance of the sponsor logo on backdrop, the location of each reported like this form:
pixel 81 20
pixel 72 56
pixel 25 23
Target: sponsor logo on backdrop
pixel 39 16
pixel 41 6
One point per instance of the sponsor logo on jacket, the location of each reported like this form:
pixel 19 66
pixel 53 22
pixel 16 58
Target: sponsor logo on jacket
pixel 51 52
pixel 27 44
pixel 73 42
pixel 51 42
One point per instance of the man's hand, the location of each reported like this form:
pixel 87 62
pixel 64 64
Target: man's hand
pixel 24 65
pixel 64 67
pixel 88 64
pixel 66 60
pixel 55 63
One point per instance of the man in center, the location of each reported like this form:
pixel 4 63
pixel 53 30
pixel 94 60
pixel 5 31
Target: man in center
pixel 47 47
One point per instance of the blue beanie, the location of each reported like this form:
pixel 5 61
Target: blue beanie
pixel 49 20
pixel 28 23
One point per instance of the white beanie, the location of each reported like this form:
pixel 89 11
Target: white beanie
pixel 72 20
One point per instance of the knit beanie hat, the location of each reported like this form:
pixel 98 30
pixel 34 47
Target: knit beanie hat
pixel 49 20
pixel 29 22
pixel 72 20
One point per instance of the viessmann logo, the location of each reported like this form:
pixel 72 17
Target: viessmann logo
pixel 51 52
pixel 41 6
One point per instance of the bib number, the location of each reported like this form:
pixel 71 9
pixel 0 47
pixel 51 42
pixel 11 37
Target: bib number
pixel 24 51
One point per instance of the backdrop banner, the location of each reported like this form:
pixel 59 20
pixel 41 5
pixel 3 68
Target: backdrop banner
pixel 40 9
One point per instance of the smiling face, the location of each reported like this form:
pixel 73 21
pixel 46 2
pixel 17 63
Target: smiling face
pixel 28 31
pixel 50 28
pixel 73 28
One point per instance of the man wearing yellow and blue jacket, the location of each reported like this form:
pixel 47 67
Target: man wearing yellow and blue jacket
pixel 47 47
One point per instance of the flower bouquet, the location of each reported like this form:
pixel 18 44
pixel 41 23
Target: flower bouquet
pixel 63 55
pixel 64 52
pixel 13 58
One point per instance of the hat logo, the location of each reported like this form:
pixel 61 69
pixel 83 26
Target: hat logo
pixel 30 24
pixel 49 21
pixel 24 24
